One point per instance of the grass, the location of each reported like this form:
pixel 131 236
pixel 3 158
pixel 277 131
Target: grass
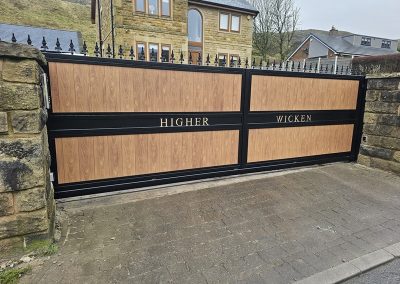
pixel 42 248
pixel 11 276
pixel 55 14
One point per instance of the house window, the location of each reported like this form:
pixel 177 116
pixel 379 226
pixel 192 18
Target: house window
pixel 165 53
pixel 141 50
pixel 366 41
pixel 165 8
pixel 195 26
pixel 386 43
pixel 153 51
pixel 140 6
pixel 222 59
pixel 235 23
pixel 153 7
pixel 223 21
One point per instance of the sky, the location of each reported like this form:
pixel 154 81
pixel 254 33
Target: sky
pixel 379 18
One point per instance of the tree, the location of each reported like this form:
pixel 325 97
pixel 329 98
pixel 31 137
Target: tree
pixel 263 29
pixel 285 18
pixel 274 26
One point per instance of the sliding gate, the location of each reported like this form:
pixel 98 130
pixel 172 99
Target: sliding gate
pixel 119 124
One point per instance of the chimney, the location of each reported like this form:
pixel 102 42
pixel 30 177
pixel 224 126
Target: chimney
pixel 333 31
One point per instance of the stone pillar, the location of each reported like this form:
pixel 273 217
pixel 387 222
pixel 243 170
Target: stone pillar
pixel 26 194
pixel 380 145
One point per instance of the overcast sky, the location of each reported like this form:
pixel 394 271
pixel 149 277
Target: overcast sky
pixel 380 18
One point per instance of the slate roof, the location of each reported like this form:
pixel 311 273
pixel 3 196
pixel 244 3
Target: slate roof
pixel 238 4
pixel 340 45
pixel 37 34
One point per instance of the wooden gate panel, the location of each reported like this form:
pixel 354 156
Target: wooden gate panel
pixel 281 93
pixel 291 142
pixel 97 88
pixel 102 157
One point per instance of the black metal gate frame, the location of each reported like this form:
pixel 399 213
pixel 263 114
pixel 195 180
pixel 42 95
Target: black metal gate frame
pixel 97 124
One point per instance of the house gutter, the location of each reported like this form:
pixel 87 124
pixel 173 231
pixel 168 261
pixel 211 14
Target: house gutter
pixel 227 7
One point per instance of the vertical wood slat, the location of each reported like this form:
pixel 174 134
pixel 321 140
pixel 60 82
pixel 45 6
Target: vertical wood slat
pixel 291 142
pixel 96 88
pixel 279 93
pixel 100 157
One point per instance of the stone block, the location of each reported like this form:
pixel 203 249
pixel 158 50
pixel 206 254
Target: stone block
pixel 28 121
pixel 396 156
pixel 11 245
pixel 381 153
pixel 382 130
pixel 23 223
pixel 385 165
pixel 22 148
pixel 382 107
pixel 6 204
pixel 372 96
pixel 19 175
pixel 22 71
pixel 381 141
pixel 15 96
pixel 390 96
pixel 379 118
pixel 16 50
pixel 30 199
pixel 372 260
pixel 364 160
pixel 3 122
pixel 384 84
pixel 370 118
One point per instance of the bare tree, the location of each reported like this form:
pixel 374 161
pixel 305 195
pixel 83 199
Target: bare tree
pixel 285 18
pixel 263 28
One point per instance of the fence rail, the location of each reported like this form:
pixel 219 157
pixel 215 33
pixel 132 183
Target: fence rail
pixel 321 67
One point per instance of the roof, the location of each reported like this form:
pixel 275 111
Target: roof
pixel 339 45
pixel 242 5
pixel 37 33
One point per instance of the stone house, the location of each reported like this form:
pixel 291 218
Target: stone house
pixel 333 45
pixel 155 28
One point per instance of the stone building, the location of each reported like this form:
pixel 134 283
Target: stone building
pixel 155 28
pixel 333 45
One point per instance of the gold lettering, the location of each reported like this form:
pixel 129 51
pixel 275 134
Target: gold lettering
pixel 189 121
pixel 205 121
pixel 197 119
pixel 290 118
pixel 179 121
pixel 164 122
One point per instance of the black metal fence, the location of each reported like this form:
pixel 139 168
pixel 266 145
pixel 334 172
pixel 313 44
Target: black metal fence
pixel 209 60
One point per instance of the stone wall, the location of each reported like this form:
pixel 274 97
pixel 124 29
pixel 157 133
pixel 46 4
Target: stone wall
pixel 380 146
pixel 26 195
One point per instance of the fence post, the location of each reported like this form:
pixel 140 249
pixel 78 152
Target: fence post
pixel 336 61
pixel 319 64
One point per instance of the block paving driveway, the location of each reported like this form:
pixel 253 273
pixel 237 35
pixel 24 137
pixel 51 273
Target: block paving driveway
pixel 272 230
